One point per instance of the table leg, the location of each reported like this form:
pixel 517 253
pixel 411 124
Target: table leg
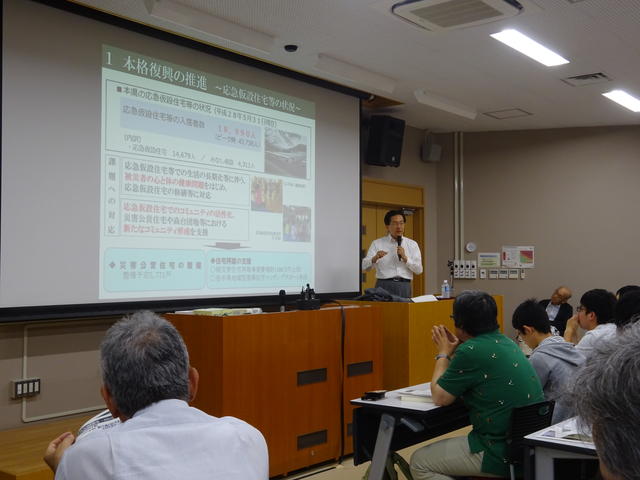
pixel 381 451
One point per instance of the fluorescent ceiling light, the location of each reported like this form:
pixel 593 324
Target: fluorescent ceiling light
pixel 529 47
pixel 443 103
pixel 355 74
pixel 623 98
pixel 182 15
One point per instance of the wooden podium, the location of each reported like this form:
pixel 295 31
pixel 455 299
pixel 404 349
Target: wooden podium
pixel 409 352
pixel 283 374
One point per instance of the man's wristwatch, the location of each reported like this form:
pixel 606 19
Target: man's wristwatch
pixel 442 355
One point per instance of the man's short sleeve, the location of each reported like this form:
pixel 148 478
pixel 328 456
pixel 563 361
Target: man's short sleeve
pixel 462 373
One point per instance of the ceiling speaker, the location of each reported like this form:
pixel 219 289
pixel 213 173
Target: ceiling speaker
pixel 430 151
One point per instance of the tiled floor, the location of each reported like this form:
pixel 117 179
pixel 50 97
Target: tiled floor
pixel 347 471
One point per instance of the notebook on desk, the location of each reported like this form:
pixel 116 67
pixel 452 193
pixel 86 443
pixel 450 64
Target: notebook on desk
pixel 567 432
pixel 393 399
pixel 420 393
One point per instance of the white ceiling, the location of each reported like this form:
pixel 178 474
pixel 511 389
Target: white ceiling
pixel 466 66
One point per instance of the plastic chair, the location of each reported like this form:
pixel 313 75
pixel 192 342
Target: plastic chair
pixel 525 420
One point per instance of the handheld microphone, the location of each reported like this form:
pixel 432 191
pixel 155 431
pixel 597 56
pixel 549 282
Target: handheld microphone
pixel 282 294
pixel 399 240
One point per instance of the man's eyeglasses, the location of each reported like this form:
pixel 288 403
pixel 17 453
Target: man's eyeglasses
pixel 396 224
pixel 580 309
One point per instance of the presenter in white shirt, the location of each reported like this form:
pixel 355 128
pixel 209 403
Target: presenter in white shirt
pixel 147 382
pixel 395 257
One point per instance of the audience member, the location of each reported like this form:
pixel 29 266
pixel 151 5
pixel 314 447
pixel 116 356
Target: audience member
pixel 490 373
pixel 554 359
pixel 595 315
pixel 605 395
pixel 627 309
pixel 557 308
pixel 147 382
pixel 627 288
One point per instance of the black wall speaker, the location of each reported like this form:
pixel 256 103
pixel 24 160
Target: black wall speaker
pixel 385 141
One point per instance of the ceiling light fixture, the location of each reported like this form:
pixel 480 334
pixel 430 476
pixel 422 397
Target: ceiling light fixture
pixel 623 98
pixel 529 47
pixel 443 103
pixel 182 15
pixel 355 74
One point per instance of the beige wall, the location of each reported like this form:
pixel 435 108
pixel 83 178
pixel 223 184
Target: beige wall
pixel 64 355
pixel 571 193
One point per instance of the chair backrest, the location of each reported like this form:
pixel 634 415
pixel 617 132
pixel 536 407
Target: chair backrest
pixel 526 420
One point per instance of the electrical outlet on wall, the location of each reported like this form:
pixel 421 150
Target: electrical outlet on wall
pixel 27 387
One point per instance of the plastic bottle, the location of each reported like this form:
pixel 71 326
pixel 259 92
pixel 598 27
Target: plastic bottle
pixel 446 289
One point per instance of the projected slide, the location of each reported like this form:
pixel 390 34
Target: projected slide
pixel 207 184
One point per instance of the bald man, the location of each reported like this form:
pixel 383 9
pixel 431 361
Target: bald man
pixel 558 310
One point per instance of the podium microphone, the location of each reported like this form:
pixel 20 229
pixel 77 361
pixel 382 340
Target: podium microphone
pixel 282 294
pixel 399 240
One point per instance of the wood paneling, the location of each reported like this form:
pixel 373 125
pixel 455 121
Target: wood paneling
pixel 391 193
pixel 249 367
pixel 364 343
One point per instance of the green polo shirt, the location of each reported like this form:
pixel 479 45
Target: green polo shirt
pixel 492 375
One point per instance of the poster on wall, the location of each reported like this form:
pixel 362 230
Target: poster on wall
pixel 488 259
pixel 518 257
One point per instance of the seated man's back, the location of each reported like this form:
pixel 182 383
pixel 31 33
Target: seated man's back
pixel 554 359
pixel 492 376
pixel 147 382
pixel 169 440
pixel 556 362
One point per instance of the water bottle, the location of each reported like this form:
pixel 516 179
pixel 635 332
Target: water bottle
pixel 446 289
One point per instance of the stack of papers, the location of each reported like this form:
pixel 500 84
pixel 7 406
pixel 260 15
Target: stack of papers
pixel 413 394
pixel 567 432
pixel 227 311
pixel 424 298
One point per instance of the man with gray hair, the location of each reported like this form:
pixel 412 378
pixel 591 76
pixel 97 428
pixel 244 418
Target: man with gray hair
pixel 605 395
pixel 147 382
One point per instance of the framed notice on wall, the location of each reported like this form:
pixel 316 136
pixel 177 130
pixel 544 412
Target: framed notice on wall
pixel 518 257
pixel 488 259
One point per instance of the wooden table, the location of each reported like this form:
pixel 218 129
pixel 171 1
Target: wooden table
pixel 21 449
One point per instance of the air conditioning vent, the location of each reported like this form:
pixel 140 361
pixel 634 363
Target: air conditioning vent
pixel 436 15
pixel 586 79
pixel 509 113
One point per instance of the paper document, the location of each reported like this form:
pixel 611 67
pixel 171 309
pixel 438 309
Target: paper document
pixel 568 432
pixel 424 298
pixel 102 421
pixel 222 312
pixel 413 394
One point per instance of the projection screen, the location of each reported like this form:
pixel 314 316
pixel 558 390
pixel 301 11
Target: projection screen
pixel 137 172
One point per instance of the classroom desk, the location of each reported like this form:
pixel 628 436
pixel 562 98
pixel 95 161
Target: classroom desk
pixel 548 445
pixel 390 424
pixel 21 449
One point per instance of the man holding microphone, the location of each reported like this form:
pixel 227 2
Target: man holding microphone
pixel 395 257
